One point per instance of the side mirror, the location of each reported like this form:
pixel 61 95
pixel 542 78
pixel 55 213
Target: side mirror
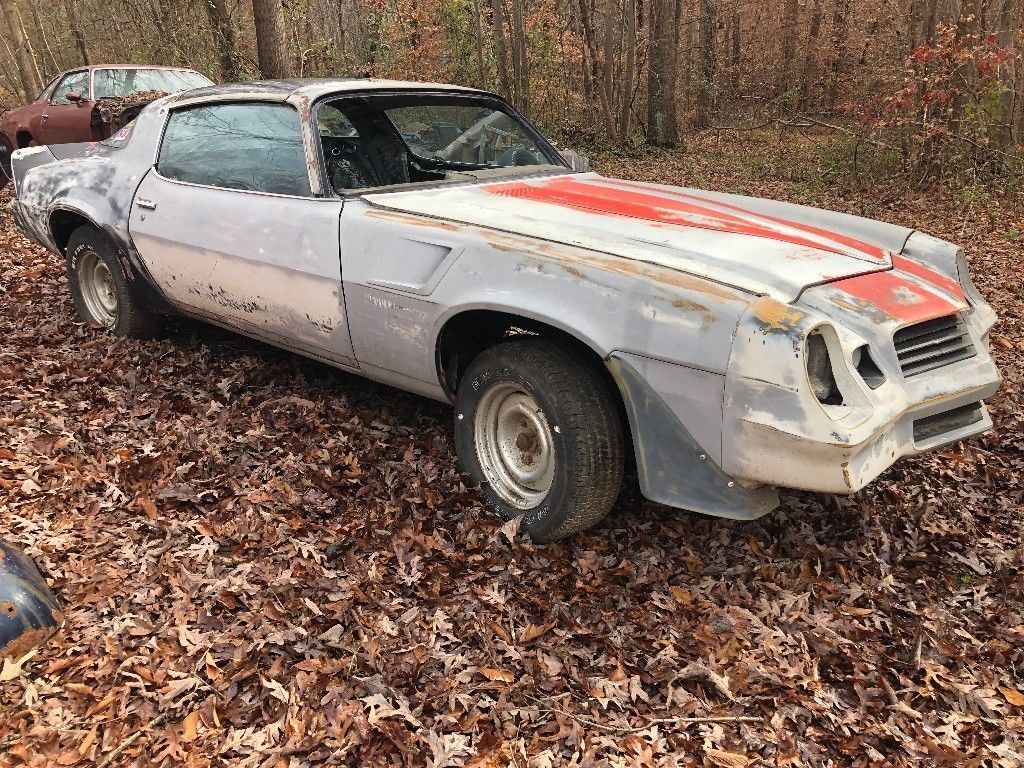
pixel 576 161
pixel 74 97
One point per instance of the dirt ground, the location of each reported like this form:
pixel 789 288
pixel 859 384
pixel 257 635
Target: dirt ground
pixel 266 562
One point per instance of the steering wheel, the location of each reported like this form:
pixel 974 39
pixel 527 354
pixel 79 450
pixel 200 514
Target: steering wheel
pixel 517 156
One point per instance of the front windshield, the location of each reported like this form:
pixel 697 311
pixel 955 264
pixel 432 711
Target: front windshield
pixel 113 83
pixel 379 141
pixel 475 135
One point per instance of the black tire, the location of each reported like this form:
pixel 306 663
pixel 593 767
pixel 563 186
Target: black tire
pixel 586 433
pixel 87 244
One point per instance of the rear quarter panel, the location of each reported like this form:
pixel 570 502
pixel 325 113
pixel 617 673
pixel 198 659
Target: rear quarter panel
pixel 95 180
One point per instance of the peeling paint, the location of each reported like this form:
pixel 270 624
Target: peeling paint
pixel 775 316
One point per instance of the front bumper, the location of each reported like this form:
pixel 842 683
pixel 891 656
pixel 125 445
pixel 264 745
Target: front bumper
pixel 776 432
pixel 845 461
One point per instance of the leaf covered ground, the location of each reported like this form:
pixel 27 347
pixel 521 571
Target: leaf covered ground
pixel 266 562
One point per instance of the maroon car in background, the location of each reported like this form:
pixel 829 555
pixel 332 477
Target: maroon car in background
pixel 65 112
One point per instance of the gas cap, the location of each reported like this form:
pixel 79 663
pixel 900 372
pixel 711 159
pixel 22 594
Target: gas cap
pixel 29 613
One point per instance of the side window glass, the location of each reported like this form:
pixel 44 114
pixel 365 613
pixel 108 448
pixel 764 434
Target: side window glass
pixel 333 123
pixel 254 147
pixel 45 95
pixel 77 82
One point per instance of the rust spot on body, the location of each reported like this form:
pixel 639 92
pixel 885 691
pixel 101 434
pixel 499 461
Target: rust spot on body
pixel 707 316
pixel 573 271
pixel 415 221
pixel 775 316
pixel 861 307
pixel 621 265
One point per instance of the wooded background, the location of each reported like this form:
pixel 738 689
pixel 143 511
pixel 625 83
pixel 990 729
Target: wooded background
pixel 934 81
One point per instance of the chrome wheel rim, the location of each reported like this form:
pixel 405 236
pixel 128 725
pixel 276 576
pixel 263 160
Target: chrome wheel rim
pixel 99 292
pixel 515 445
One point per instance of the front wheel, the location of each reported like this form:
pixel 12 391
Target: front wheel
pixel 537 426
pixel 99 288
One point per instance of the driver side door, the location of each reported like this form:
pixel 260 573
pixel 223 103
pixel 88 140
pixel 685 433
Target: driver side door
pixel 227 225
pixel 62 121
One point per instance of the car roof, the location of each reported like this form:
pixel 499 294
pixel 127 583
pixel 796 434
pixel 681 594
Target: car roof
pixel 90 67
pixel 309 88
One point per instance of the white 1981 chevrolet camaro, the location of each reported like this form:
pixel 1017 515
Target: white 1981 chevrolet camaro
pixel 428 237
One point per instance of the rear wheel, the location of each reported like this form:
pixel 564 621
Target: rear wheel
pixel 538 428
pixel 99 288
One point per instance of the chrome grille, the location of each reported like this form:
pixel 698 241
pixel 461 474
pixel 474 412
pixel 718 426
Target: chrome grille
pixel 933 344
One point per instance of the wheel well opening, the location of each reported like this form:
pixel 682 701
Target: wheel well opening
pixel 62 224
pixel 468 334
pixel 24 138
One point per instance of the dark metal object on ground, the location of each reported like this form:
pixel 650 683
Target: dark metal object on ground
pixel 29 613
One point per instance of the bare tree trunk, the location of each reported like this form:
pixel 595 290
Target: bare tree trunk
pixel 223 38
pixel 812 46
pixel 352 30
pixel 689 48
pixel 735 53
pixel 599 65
pixel 271 40
pixel 16 87
pixel 49 60
pixel 1006 34
pixel 840 23
pixel 662 119
pixel 608 67
pixel 520 58
pixel 708 63
pixel 500 47
pixel 28 46
pixel 789 32
pixel 629 69
pixel 27 70
pixel 931 13
pixel 478 25
pixel 76 30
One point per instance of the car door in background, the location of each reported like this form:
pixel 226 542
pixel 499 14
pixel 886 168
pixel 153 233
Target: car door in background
pixel 227 225
pixel 63 120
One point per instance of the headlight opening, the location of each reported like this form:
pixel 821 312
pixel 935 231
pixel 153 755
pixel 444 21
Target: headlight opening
pixel 819 370
pixel 867 368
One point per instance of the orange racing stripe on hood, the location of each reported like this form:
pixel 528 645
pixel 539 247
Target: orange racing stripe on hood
pixel 655 206
pixel 866 249
pixel 897 297
pixel 929 275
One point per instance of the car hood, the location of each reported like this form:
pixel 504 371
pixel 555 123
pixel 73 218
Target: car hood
pixel 760 246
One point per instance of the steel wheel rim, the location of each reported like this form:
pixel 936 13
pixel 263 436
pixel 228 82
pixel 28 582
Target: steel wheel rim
pixel 99 291
pixel 515 445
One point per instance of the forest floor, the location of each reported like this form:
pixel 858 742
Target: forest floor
pixel 266 562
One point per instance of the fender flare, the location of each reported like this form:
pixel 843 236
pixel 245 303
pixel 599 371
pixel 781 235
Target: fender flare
pixel 143 288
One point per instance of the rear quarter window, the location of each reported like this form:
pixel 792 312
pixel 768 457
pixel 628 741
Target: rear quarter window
pixel 253 147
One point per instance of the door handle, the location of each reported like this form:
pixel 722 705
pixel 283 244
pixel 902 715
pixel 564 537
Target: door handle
pixel 44 117
pixel 142 202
